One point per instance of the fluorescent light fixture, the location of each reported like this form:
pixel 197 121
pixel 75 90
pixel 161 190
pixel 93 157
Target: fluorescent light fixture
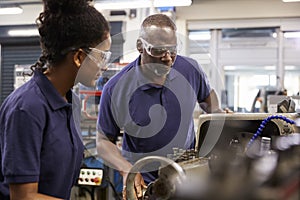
pixel 10 10
pixel 200 35
pixel 23 32
pixel 171 3
pixel 290 67
pixel 230 68
pixel 288 1
pixel 291 34
pixel 269 67
pixel 115 5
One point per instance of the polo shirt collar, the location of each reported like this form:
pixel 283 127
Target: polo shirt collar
pixel 51 94
pixel 142 79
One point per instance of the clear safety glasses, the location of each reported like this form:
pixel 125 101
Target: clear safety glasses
pixel 159 51
pixel 101 58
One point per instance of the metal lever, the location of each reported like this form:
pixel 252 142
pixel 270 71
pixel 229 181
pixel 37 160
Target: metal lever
pixel 166 164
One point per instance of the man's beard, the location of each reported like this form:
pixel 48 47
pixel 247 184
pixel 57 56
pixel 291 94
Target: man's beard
pixel 158 69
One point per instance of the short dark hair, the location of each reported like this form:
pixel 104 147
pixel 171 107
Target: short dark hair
pixel 66 25
pixel 159 20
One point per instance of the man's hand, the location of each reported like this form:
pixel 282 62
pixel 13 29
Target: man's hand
pixel 227 110
pixel 139 186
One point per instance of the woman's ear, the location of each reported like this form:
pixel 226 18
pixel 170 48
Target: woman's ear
pixel 139 46
pixel 78 57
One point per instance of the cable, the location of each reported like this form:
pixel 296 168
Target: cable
pixel 263 124
pixel 113 188
pixel 91 193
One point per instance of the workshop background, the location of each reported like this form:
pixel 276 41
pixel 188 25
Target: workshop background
pixel 250 50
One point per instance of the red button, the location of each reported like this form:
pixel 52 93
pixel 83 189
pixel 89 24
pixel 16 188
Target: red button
pixel 97 180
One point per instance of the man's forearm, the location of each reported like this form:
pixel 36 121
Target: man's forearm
pixel 211 103
pixel 112 155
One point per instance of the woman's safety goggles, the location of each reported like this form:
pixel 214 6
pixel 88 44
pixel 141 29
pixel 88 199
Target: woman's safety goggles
pixel 101 58
pixel 159 51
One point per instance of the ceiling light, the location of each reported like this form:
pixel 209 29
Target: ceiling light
pixel 230 68
pixel 269 67
pixel 114 5
pixel 171 3
pixel 10 10
pixel 23 32
pixel 200 35
pixel 292 34
pixel 290 67
pixel 288 1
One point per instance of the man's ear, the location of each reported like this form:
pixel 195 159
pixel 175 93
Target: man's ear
pixel 139 45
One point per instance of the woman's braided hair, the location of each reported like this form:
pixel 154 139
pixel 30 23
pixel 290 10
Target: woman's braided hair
pixel 67 25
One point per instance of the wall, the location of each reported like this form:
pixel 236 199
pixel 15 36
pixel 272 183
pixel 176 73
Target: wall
pixel 207 13
pixel 238 9
pixel 30 13
pixel 200 10
pixel 203 14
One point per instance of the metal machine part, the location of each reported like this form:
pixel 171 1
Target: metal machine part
pixel 227 171
pixel 215 131
pixel 157 188
pixel 173 177
pixel 272 176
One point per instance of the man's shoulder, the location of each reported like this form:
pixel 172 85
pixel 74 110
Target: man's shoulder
pixel 187 65
pixel 187 60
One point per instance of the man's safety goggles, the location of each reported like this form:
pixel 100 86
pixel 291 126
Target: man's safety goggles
pixel 159 51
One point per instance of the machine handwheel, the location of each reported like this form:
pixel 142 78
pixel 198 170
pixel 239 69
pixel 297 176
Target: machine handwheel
pixel 162 182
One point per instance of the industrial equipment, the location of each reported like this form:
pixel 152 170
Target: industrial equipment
pixel 237 156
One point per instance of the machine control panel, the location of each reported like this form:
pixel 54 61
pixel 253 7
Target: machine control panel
pixel 90 176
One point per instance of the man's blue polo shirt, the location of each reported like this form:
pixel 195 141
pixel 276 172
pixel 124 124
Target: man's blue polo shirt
pixel 39 139
pixel 154 118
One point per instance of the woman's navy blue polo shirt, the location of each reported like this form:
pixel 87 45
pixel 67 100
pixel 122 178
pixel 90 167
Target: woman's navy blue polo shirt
pixel 39 139
pixel 154 118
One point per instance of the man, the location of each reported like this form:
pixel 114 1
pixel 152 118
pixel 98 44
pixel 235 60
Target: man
pixel 152 99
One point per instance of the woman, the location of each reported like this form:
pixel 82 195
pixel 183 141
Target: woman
pixel 41 147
